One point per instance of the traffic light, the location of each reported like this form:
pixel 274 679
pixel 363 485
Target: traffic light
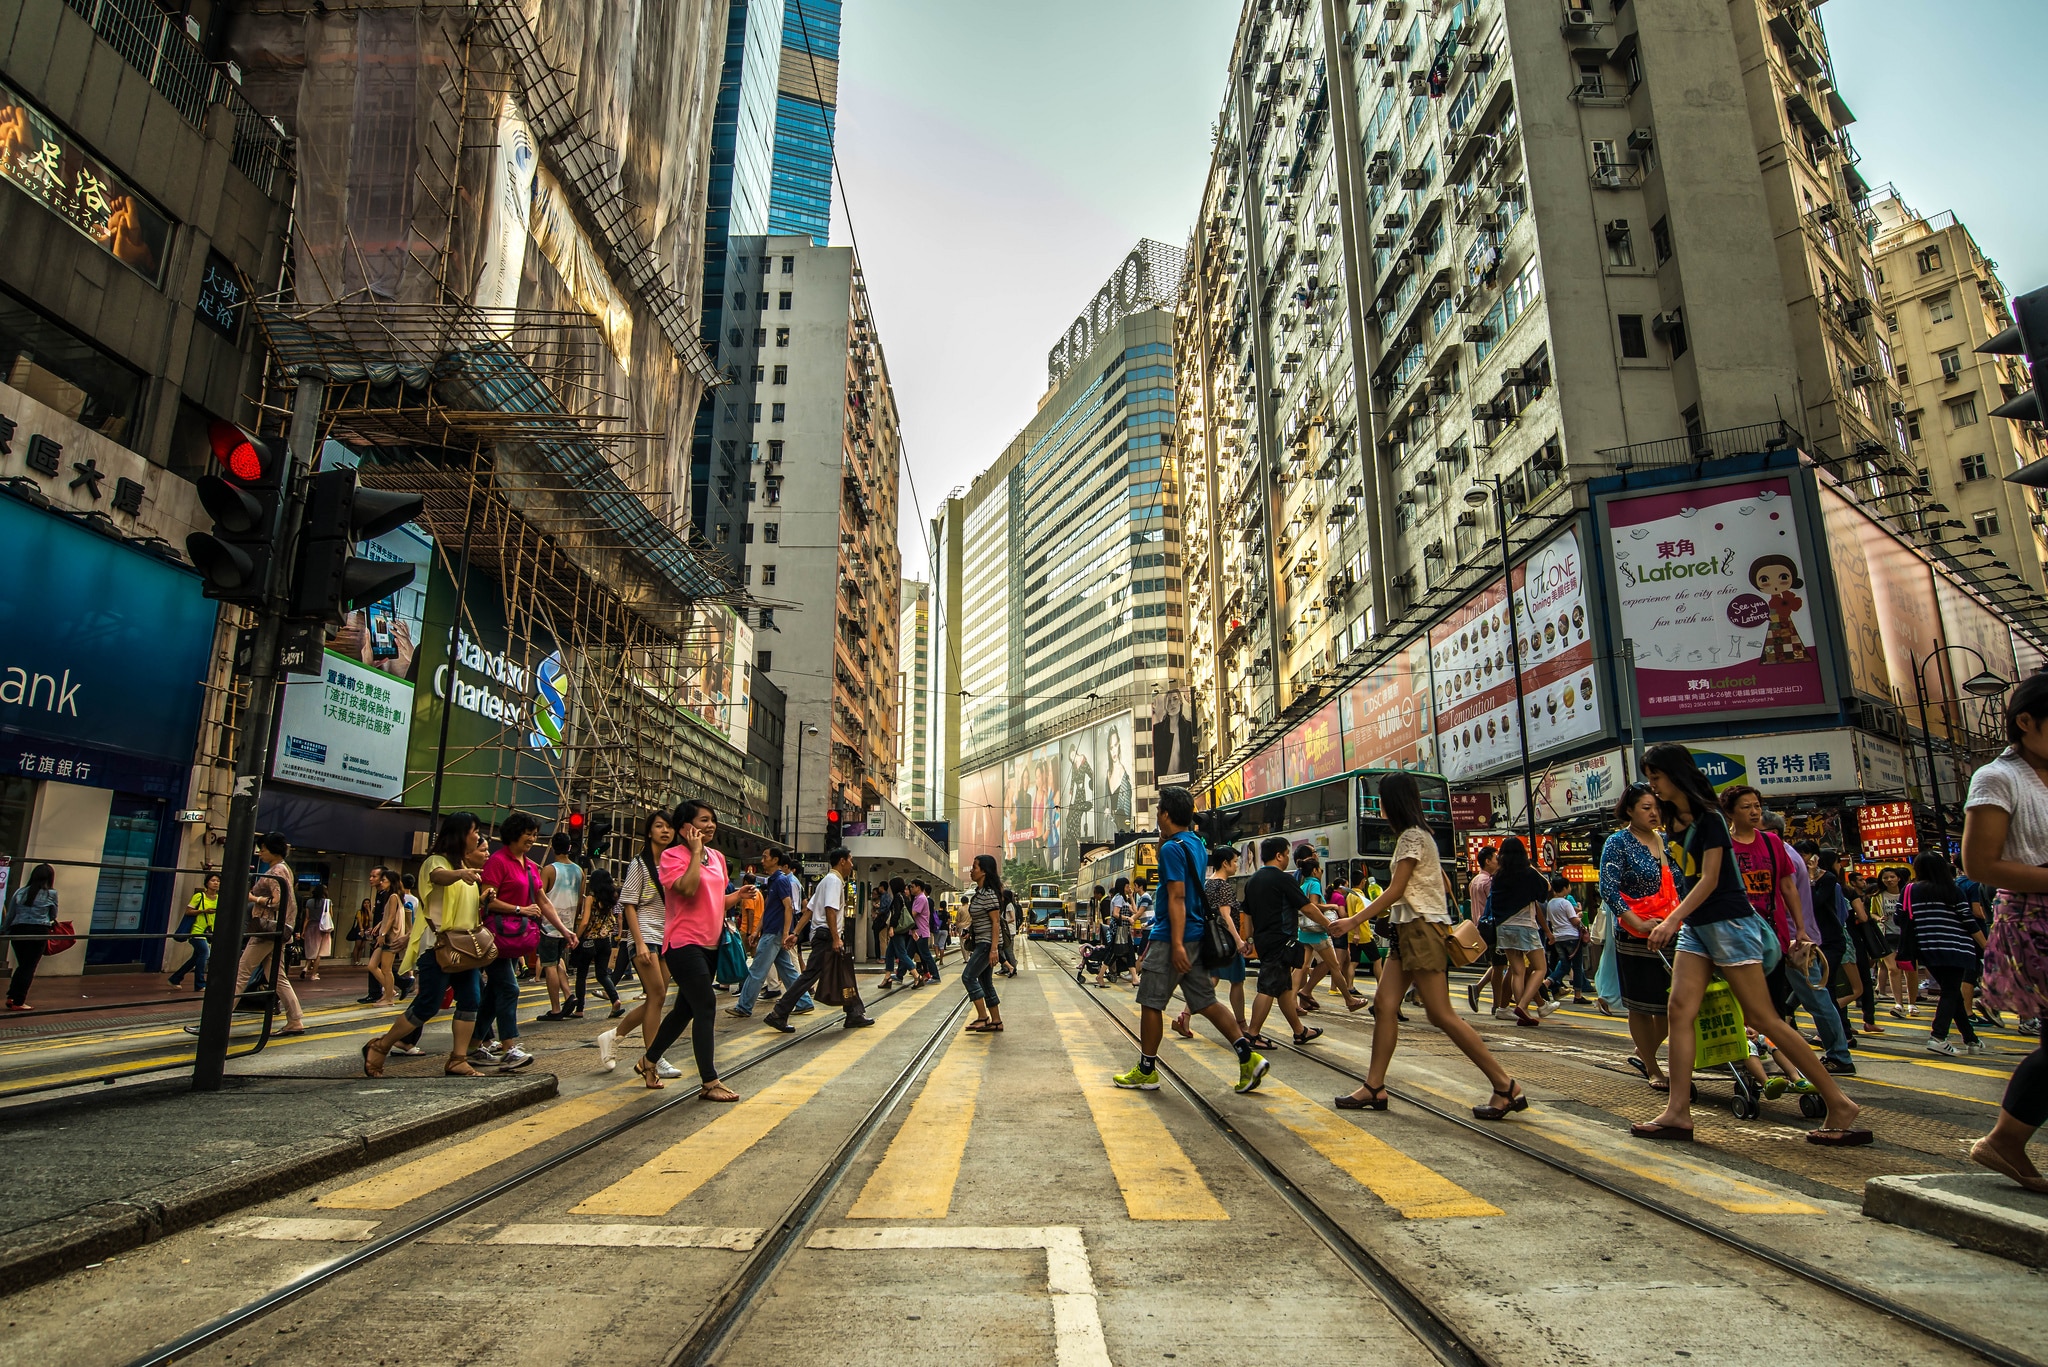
pixel 831 828
pixel 575 829
pixel 2028 337
pixel 234 557
pixel 331 579
pixel 598 838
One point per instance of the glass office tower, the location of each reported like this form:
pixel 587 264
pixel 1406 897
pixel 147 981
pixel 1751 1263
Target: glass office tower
pixel 805 117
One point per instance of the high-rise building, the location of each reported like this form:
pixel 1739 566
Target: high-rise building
pixel 1068 581
pixel 913 766
pixel 806 120
pixel 1941 299
pixel 1483 242
pixel 809 428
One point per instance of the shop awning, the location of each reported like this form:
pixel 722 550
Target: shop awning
pixel 898 848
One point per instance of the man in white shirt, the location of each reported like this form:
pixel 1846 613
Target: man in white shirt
pixel 827 911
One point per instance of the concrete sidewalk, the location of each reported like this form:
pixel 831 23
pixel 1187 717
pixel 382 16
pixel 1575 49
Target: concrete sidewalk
pixel 93 1174
pixel 1979 1210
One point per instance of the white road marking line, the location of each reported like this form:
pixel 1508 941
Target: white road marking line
pixel 629 1236
pixel 1076 1320
pixel 298 1227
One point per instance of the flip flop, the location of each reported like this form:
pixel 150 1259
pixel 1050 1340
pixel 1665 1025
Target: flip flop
pixel 1637 1064
pixel 1839 1139
pixel 1650 1129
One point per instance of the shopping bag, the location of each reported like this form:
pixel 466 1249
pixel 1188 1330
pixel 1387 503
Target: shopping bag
pixel 732 958
pixel 836 985
pixel 1718 1036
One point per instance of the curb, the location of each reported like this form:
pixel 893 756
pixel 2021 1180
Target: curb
pixel 1954 1206
pixel 66 1243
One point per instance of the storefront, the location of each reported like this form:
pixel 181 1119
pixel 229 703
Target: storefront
pixel 104 651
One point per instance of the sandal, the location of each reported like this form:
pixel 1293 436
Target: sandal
pixel 1354 1002
pixel 648 1074
pixel 1839 1139
pixel 374 1069
pixel 1266 1042
pixel 1374 1100
pixel 1308 1032
pixel 978 1028
pixel 717 1091
pixel 458 1067
pixel 1518 1100
pixel 1650 1129
pixel 1180 1026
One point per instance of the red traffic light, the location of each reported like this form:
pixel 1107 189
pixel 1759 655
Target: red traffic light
pixel 832 815
pixel 239 453
pixel 575 821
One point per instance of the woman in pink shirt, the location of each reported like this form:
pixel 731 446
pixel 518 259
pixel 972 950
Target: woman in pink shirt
pixel 697 899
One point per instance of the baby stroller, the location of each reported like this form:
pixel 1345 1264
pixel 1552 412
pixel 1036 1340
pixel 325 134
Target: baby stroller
pixel 1750 1094
pixel 1093 960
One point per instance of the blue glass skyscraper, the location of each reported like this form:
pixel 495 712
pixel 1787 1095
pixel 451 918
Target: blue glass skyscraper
pixel 806 115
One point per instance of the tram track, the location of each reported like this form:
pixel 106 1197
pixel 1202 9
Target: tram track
pixel 726 1311
pixel 1324 1225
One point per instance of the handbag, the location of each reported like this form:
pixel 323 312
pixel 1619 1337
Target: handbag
pixel 836 984
pixel 1718 1035
pixel 326 918
pixel 1464 944
pixel 732 958
pixel 61 938
pixel 457 950
pixel 185 923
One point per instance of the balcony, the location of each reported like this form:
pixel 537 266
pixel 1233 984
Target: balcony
pixel 1699 446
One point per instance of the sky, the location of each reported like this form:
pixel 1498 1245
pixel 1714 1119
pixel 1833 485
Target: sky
pixel 998 161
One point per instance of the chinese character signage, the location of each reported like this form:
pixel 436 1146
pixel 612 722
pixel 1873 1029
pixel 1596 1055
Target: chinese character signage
pixel 47 166
pixel 1886 831
pixel 1795 762
pixel 346 731
pixel 1715 585
pixel 221 297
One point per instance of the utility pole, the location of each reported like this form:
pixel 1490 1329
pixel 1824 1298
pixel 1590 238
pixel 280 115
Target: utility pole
pixel 252 755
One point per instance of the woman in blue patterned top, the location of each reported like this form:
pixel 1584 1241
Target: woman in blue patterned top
pixel 1636 889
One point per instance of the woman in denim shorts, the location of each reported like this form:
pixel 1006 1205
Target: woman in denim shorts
pixel 1716 928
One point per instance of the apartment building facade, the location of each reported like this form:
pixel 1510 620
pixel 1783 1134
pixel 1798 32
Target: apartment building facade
pixel 913 706
pixel 810 431
pixel 1941 299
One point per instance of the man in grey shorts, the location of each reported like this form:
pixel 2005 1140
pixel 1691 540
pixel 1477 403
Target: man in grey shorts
pixel 1173 951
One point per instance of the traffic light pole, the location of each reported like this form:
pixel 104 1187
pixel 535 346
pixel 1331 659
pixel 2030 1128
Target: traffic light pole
pixel 252 761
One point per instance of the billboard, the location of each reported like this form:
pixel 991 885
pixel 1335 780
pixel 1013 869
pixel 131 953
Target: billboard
pixel 1173 737
pixel 1712 581
pixel 1862 634
pixel 1076 790
pixel 1472 667
pixel 1385 717
pixel 1313 750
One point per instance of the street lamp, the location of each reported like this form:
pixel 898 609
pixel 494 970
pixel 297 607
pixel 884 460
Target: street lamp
pixel 1477 496
pixel 796 802
pixel 1982 684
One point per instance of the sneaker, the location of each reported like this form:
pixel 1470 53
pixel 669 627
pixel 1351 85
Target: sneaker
pixel 405 1050
pixel 663 1068
pixel 485 1057
pixel 739 1013
pixel 1838 1069
pixel 1143 1079
pixel 1502 1013
pixel 1545 1008
pixel 1980 1047
pixel 515 1059
pixel 608 1049
pixel 1251 1071
pixel 1941 1046
pixel 2032 1027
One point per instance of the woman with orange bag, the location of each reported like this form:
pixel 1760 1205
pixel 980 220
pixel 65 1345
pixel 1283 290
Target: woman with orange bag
pixel 1637 890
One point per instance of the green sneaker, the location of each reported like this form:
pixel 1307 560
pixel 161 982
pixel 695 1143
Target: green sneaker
pixel 1140 1078
pixel 1251 1071
pixel 1774 1088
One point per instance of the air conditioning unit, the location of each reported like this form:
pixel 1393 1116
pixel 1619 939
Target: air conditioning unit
pixel 1394 10
pixel 1607 174
pixel 1493 223
pixel 1400 52
pixel 1405 498
pixel 1898 409
pixel 1551 457
pixel 1478 61
pixel 1447 455
pixel 1826 213
pixel 1418 83
pixel 1639 139
pixel 1578 18
pixel 1482 412
pixel 1862 374
pixel 1435 549
pixel 1414 178
pixel 1439 386
pixel 1425 477
pixel 1394 223
pixel 1515 374
pixel 1405 580
pixel 1409 335
pixel 1468 518
pixel 1384 241
pixel 1370 51
pixel 1467 300
pixel 1476 332
pixel 1390 79
pixel 1617 229
pixel 1441 289
pixel 1661 323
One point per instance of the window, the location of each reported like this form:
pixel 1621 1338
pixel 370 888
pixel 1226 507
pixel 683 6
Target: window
pixel 1621 247
pixel 721 534
pixel 1913 426
pixel 753 452
pixel 754 412
pixel 1899 373
pixel 1606 162
pixel 761 300
pixel 1974 469
pixel 781 337
pixel 747 575
pixel 786 300
pixel 1941 307
pixel 1987 524
pixel 782 374
pixel 739 299
pixel 760 374
pixel 1675 335
pixel 743 264
pixel 776 413
pixel 1963 412
pixel 767 619
pixel 750 491
pixel 1891 322
pixel 1632 344
pixel 735 337
pixel 1660 237
pixel 773 491
pixel 771 532
pixel 760 336
pixel 775 450
pixel 768 571
pixel 764 660
pixel 732 412
pixel 1951 363
pixel 747 534
pixel 1590 84
pixel 1695 425
pixel 1929 259
pixel 789 265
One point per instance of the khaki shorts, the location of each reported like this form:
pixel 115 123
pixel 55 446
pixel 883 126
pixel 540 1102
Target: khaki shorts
pixel 1156 978
pixel 1421 946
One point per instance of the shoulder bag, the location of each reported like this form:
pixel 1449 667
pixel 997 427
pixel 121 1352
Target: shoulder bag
pixel 1464 944
pixel 1218 948
pixel 459 950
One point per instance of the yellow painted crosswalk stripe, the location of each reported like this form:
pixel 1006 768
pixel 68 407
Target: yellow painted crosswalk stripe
pixel 1416 1190
pixel 916 1177
pixel 1154 1174
pixel 657 1186
pixel 410 1181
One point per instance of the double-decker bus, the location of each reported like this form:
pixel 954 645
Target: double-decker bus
pixel 1137 860
pixel 1049 915
pixel 1339 816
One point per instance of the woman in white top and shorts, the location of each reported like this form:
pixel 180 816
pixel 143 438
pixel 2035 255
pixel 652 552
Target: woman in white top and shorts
pixel 643 921
pixel 1418 902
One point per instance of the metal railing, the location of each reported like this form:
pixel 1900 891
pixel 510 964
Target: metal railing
pixel 1699 446
pixel 158 46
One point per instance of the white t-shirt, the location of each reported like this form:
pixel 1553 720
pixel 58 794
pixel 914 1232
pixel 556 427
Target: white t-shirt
pixel 1561 912
pixel 830 893
pixel 563 896
pixel 2011 784
pixel 1423 900
pixel 641 895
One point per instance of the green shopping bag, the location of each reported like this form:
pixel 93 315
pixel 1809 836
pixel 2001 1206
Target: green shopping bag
pixel 1718 1036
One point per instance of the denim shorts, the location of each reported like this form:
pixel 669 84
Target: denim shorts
pixel 1518 939
pixel 1729 944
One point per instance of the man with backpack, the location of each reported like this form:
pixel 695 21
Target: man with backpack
pixel 772 938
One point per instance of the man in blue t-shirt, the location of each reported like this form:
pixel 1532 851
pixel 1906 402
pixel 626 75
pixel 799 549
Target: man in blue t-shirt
pixel 778 937
pixel 1173 951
